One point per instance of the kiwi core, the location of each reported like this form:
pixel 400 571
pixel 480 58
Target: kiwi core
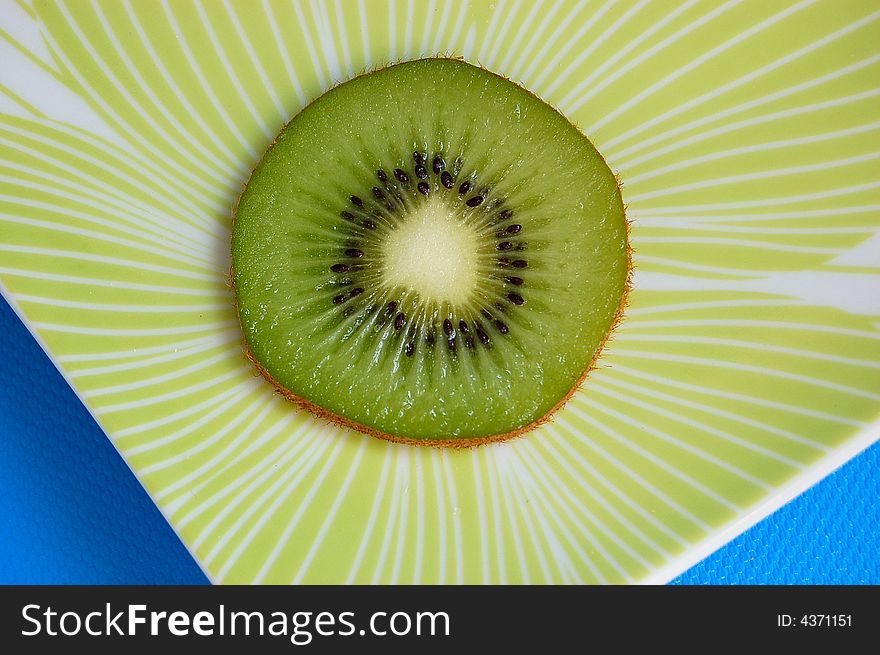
pixel 432 253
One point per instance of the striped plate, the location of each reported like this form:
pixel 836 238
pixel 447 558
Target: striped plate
pixel 747 136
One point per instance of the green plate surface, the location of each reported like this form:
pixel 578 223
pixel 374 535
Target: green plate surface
pixel 747 137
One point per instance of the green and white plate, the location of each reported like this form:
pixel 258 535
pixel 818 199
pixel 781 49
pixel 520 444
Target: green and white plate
pixel 747 137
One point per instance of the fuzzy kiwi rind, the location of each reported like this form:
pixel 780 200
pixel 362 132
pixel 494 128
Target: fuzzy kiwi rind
pixel 455 443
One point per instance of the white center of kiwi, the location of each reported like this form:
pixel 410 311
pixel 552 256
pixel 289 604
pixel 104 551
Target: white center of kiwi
pixel 432 253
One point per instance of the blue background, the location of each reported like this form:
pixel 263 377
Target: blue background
pixel 71 512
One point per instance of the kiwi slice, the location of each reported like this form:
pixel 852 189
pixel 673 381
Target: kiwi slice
pixel 430 254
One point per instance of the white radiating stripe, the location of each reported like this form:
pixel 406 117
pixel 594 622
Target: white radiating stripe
pixel 631 44
pixel 743 243
pixel 469 41
pixel 158 379
pixel 117 261
pixel 495 511
pixel 514 479
pixel 683 445
pixel 440 494
pixel 113 284
pixel 459 21
pixel 400 548
pixel 482 517
pixel 686 223
pixel 721 434
pixel 178 352
pixel 745 79
pixel 594 43
pixel 230 73
pixel 148 169
pixel 694 63
pixel 497 466
pixel 378 498
pixel 248 407
pixel 343 37
pixel 752 400
pixel 641 481
pixel 440 32
pixel 331 516
pixel 392 30
pixel 740 109
pixel 155 190
pixel 144 143
pixel 110 307
pixel 310 44
pixel 760 147
pixel 571 455
pixel 527 25
pixel 282 51
pixel 202 259
pixel 425 47
pixel 169 227
pixel 241 486
pixel 109 238
pixel 392 516
pixel 583 530
pixel 227 466
pixel 553 485
pixel 576 40
pixel 238 396
pixel 750 345
pixel 135 332
pixel 289 481
pixel 711 409
pixel 571 105
pixel 183 413
pixel 497 9
pixel 255 61
pixel 325 39
pixel 456 519
pixel 505 28
pixel 209 160
pixel 193 113
pixel 419 474
pixel 761 370
pixel 663 211
pixel 134 106
pixel 709 304
pixel 559 555
pixel 177 394
pixel 217 405
pixel 243 436
pixel 553 40
pixel 738 273
pixel 762 175
pixel 288 486
pixel 785 325
pixel 408 30
pixel 365 34
pixel 208 341
pixel 536 33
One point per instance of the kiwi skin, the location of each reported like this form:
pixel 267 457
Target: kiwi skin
pixel 344 422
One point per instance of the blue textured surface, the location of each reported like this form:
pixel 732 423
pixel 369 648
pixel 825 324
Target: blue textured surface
pixel 71 512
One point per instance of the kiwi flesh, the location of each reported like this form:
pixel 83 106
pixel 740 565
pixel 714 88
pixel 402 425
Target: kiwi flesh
pixel 429 253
